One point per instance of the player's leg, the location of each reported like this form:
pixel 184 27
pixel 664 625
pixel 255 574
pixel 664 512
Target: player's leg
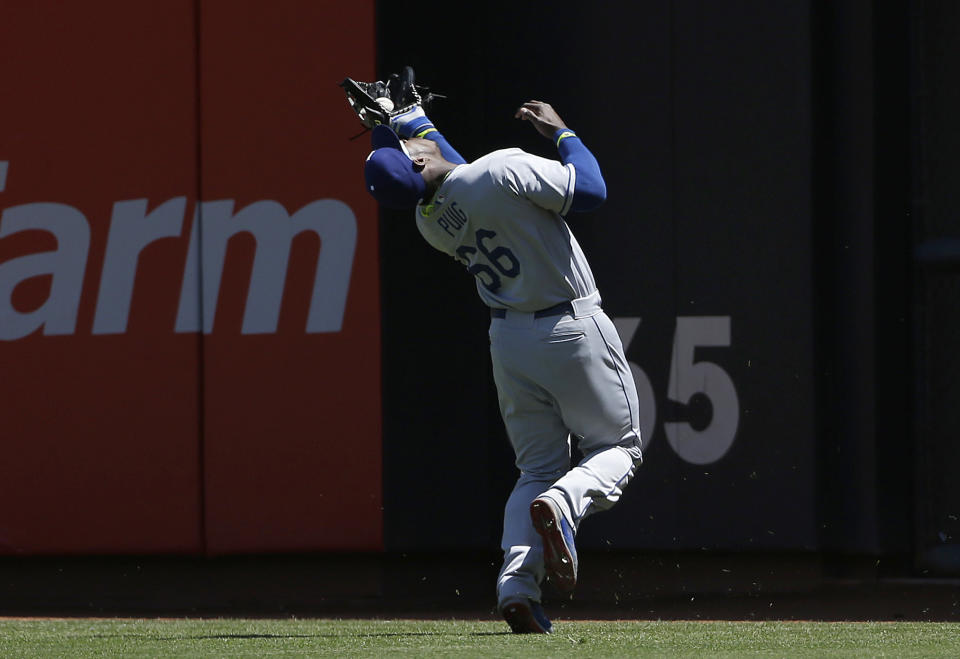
pixel 522 569
pixel 543 455
pixel 542 448
pixel 595 484
pixel 598 403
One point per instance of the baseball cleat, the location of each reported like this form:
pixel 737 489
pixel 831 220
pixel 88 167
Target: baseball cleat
pixel 559 551
pixel 525 616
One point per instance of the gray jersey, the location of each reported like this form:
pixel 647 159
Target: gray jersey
pixel 502 217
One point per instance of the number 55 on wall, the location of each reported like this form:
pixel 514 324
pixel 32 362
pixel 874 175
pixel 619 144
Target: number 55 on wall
pixel 688 378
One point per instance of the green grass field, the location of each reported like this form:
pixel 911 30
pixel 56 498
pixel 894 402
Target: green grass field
pixel 459 638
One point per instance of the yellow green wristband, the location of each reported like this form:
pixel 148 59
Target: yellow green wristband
pixel 565 134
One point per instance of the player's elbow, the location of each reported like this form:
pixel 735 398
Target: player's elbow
pixel 590 193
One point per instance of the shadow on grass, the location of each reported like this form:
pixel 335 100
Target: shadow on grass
pixel 221 637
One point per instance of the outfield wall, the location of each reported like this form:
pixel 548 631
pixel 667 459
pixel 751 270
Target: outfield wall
pixel 212 342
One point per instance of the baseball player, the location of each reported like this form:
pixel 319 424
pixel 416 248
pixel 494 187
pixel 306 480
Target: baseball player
pixel 558 363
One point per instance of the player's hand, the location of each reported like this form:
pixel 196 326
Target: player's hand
pixel 543 117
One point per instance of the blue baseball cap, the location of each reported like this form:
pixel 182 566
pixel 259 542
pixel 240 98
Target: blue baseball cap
pixel 389 171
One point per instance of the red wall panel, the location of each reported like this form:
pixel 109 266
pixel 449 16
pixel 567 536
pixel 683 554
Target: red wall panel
pixel 292 431
pixel 189 354
pixel 98 396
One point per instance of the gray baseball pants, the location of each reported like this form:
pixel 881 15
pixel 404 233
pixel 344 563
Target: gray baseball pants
pixel 559 376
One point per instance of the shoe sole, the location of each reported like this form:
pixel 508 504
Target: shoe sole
pixel 556 555
pixel 521 619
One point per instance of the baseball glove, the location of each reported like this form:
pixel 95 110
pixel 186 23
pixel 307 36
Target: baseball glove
pixel 378 102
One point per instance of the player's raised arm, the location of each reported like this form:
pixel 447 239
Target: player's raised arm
pixel 590 190
pixel 415 123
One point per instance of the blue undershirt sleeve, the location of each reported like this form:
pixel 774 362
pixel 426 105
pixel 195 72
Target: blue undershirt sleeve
pixel 446 149
pixel 589 190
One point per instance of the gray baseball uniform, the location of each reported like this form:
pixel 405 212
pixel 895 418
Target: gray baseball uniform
pixel 557 360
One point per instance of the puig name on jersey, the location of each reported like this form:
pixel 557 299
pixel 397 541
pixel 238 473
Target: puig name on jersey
pixel 452 219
